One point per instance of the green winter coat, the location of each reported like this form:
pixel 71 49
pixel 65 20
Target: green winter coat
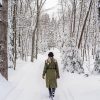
pixel 52 73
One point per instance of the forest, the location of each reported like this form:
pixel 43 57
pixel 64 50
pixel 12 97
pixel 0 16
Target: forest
pixel 28 32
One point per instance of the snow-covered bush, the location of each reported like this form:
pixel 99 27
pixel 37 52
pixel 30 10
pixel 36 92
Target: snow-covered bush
pixel 96 69
pixel 71 60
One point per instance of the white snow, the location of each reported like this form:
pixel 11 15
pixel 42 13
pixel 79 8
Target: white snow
pixel 26 83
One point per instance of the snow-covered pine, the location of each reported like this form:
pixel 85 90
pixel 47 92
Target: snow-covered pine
pixel 71 58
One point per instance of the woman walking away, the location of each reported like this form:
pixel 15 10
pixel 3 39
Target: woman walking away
pixel 51 71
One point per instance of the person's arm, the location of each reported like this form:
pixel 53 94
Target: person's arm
pixel 44 71
pixel 57 70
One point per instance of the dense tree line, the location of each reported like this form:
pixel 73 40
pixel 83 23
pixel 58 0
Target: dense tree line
pixel 75 32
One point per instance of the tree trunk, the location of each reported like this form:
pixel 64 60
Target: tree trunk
pixel 33 42
pixel 38 14
pixel 84 24
pixel 14 33
pixel 3 38
pixel 79 23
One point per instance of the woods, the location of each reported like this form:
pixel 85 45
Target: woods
pixel 26 29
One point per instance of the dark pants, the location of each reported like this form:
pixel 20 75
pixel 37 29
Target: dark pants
pixel 51 92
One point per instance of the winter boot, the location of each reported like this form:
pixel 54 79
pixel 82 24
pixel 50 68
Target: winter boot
pixel 50 92
pixel 53 92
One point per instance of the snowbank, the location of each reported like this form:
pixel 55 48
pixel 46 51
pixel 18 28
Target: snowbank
pixel 5 88
pixel 79 87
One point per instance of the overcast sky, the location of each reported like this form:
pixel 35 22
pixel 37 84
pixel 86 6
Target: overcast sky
pixel 52 5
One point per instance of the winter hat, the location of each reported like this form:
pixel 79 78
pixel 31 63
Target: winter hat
pixel 50 54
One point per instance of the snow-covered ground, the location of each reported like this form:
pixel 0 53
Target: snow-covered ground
pixel 26 83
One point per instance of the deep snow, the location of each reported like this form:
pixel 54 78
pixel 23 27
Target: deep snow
pixel 26 83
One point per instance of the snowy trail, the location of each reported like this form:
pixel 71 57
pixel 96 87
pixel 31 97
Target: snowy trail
pixel 27 83
pixel 31 85
pixel 27 88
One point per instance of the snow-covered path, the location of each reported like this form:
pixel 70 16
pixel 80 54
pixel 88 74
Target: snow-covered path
pixel 30 85
pixel 26 83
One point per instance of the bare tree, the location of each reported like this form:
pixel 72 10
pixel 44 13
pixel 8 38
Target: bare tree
pixel 36 28
pixel 84 24
pixel 14 33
